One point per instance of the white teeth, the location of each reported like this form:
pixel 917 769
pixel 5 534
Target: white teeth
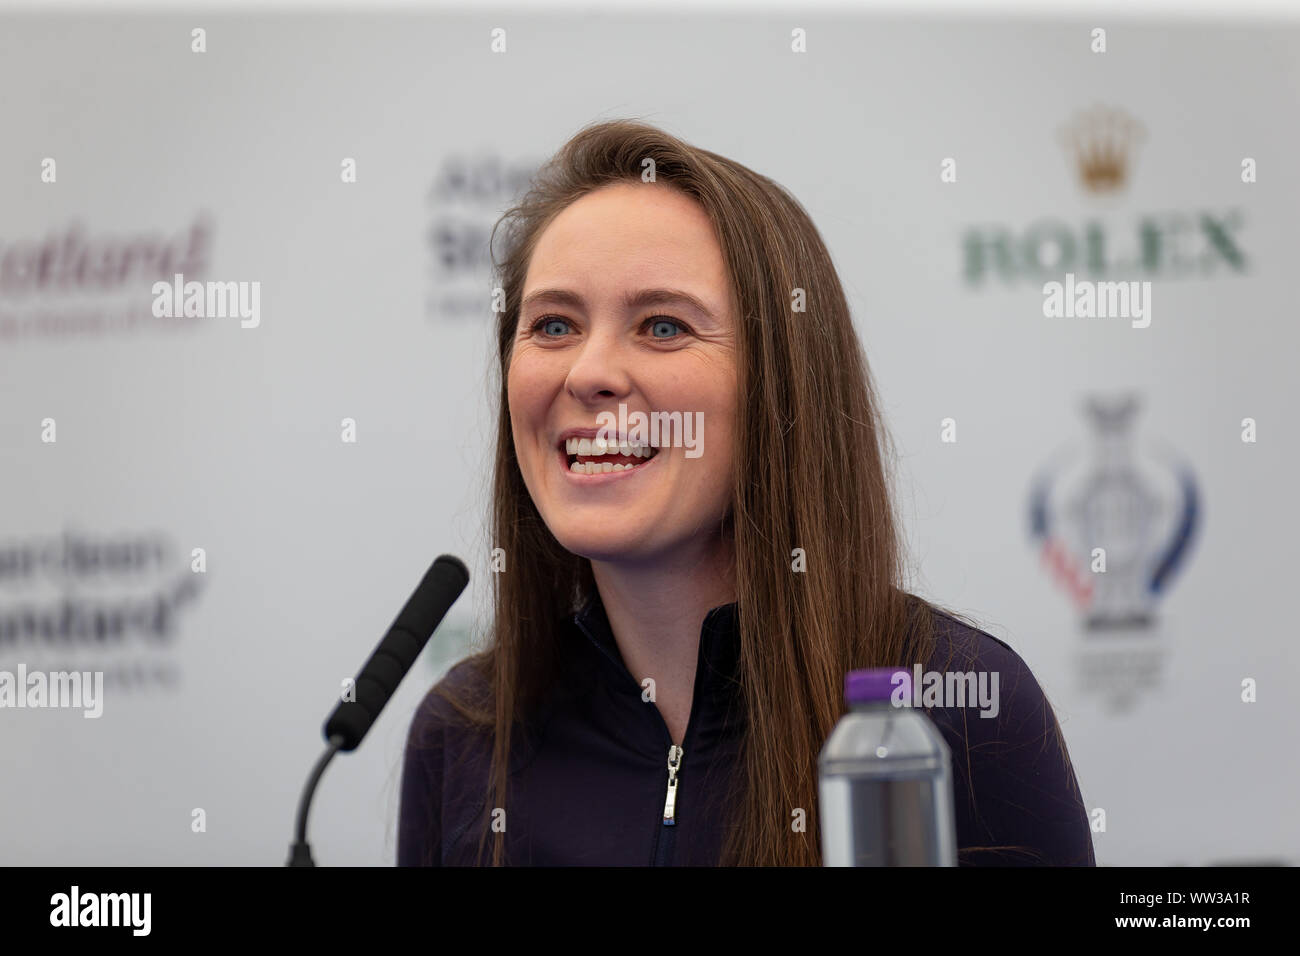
pixel 597 467
pixel 602 446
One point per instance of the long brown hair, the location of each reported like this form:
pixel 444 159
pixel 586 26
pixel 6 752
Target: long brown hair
pixel 812 472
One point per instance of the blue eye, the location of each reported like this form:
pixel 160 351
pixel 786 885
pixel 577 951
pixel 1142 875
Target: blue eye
pixel 551 326
pixel 660 324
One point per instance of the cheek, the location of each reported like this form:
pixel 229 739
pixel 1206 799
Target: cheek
pixel 723 466
pixel 526 390
pixel 522 402
pixel 719 430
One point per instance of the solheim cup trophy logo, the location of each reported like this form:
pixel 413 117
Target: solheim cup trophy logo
pixel 1114 527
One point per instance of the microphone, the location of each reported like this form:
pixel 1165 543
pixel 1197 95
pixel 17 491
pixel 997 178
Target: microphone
pixel 442 584
pixel 374 685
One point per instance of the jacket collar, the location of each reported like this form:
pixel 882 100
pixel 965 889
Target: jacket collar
pixel 719 653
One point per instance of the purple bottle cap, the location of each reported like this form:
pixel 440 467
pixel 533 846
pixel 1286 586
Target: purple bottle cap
pixel 876 684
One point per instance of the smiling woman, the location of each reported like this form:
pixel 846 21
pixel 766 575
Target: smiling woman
pixel 598 332
pixel 661 674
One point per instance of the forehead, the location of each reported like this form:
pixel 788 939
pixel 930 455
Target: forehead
pixel 631 234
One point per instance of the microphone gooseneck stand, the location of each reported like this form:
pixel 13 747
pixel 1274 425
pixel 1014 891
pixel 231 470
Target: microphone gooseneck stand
pixel 299 851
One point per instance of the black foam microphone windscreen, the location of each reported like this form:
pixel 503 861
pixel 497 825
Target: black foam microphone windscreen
pixel 378 679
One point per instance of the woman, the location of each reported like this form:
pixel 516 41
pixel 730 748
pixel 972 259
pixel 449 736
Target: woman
pixel 673 622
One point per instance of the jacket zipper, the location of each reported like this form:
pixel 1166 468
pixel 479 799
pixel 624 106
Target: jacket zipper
pixel 666 832
pixel 675 755
pixel 663 847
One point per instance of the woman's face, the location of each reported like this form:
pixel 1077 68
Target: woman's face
pixel 590 339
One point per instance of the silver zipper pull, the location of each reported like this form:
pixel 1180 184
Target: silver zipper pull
pixel 675 754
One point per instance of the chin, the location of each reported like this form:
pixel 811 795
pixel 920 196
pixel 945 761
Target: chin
pixel 605 548
pixel 597 550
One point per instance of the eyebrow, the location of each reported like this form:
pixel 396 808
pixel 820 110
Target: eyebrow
pixel 632 300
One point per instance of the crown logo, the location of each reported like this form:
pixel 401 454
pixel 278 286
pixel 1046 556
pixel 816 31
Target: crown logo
pixel 1101 142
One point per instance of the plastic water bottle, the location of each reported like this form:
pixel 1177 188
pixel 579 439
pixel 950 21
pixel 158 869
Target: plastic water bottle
pixel 885 779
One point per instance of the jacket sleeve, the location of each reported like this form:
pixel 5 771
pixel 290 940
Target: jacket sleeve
pixel 1017 799
pixel 419 818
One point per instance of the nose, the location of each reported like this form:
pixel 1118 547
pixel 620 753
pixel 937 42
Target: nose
pixel 600 370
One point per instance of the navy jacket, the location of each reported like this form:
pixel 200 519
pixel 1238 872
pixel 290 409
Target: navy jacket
pixel 589 776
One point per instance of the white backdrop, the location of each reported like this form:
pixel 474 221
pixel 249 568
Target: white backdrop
pixel 174 435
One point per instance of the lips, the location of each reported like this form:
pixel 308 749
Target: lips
pixel 590 459
pixel 580 463
pixel 589 452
